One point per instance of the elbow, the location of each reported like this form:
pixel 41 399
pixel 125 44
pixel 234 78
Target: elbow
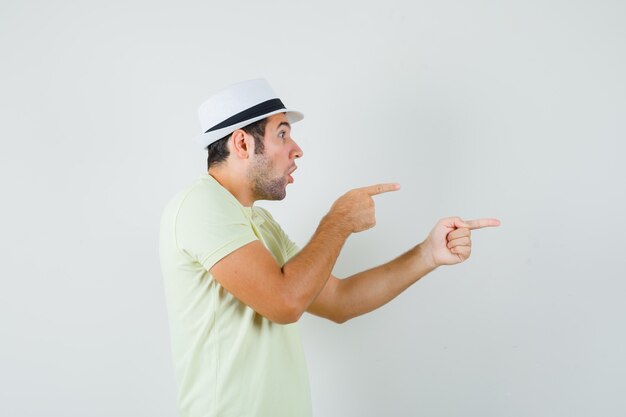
pixel 289 311
pixel 292 313
pixel 336 316
pixel 288 316
pixel 285 319
pixel 338 319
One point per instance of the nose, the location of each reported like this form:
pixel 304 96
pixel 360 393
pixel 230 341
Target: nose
pixel 297 151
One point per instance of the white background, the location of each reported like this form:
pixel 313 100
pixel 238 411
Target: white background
pixel 513 110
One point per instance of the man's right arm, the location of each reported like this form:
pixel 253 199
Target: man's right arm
pixel 282 295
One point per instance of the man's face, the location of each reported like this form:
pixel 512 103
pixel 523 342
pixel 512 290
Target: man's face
pixel 269 172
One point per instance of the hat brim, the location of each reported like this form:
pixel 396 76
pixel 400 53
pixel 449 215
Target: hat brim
pixel 205 139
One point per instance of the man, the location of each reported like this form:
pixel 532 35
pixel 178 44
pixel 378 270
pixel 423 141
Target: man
pixel 236 285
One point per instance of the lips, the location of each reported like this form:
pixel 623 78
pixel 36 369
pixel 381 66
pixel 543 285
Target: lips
pixel 289 177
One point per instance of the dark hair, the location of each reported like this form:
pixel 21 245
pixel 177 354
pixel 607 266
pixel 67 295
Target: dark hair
pixel 218 151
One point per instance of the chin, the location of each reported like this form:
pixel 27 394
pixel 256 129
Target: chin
pixel 271 190
pixel 280 196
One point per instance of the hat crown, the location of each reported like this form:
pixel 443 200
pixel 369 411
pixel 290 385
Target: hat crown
pixel 237 106
pixel 232 100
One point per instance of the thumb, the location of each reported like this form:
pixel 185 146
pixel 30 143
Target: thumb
pixel 456 222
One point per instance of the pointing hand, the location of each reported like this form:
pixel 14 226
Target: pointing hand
pixel 356 208
pixel 450 241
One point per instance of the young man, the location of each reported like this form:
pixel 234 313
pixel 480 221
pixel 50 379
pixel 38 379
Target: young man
pixel 236 285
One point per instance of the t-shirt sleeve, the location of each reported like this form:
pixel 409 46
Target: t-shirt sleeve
pixel 208 229
pixel 291 249
pixel 288 246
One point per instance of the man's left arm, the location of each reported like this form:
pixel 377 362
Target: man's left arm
pixel 448 243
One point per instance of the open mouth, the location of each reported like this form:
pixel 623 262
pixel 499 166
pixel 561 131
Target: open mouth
pixel 289 177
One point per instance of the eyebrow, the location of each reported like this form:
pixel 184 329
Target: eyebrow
pixel 283 123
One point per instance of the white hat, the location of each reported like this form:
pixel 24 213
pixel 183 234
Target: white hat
pixel 237 106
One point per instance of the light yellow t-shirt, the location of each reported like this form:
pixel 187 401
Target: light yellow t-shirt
pixel 229 360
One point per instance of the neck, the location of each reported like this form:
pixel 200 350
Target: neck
pixel 235 182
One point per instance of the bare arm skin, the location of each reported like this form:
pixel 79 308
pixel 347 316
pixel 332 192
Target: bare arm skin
pixel 447 244
pixel 283 294
pixel 343 299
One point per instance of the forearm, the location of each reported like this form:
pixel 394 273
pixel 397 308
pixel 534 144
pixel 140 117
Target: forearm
pixel 307 272
pixel 368 290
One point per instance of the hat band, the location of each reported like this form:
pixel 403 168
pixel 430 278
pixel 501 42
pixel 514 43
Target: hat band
pixel 254 111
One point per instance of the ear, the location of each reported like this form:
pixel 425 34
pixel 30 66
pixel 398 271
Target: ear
pixel 241 145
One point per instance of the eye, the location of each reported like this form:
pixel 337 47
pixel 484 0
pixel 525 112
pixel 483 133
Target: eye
pixel 281 134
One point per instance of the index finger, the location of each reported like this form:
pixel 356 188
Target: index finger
pixel 381 188
pixel 480 223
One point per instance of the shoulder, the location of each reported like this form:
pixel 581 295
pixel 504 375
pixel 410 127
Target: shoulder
pixel 204 201
pixel 207 194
